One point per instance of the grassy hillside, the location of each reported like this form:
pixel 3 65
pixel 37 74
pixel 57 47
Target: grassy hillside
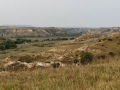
pixel 104 75
pixel 35 47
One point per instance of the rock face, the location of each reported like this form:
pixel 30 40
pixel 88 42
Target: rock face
pixel 17 65
pixel 14 63
pixel 26 31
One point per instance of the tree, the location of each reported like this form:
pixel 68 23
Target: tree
pixel 8 44
pixel 2 47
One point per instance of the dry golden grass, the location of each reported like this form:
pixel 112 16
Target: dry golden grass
pixel 99 75
pixel 96 76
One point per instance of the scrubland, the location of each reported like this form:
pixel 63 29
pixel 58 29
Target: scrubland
pixel 103 73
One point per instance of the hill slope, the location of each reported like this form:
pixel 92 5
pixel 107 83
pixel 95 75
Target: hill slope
pixel 31 31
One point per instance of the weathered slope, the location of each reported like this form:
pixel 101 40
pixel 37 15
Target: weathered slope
pixel 31 31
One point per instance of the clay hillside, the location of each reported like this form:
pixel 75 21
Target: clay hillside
pixel 31 31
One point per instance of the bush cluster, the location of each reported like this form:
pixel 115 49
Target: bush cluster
pixel 8 44
pixel 109 39
pixel 72 38
pixel 21 40
pixel 56 39
pixel 86 57
pixel 111 54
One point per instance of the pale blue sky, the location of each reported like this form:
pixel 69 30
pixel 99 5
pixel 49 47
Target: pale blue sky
pixel 61 13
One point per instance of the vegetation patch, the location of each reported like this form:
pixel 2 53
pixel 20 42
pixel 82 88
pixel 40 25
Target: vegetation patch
pixel 111 54
pixel 21 41
pixel 109 39
pixel 86 57
pixel 26 59
pixel 8 44
pixel 55 65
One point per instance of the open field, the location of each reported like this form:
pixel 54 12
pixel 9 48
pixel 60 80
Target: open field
pixel 33 47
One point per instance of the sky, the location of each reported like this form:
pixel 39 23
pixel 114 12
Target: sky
pixel 60 13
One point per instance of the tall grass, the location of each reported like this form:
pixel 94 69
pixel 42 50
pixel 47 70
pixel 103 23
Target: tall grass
pixel 103 76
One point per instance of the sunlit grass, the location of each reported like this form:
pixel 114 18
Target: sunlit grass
pixel 103 76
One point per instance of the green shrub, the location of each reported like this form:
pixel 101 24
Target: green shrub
pixel 59 39
pixel 2 46
pixel 55 65
pixel 86 57
pixel 76 61
pixel 104 39
pixel 21 41
pixel 109 39
pixel 111 54
pixel 72 38
pixel 27 59
pixel 8 44
pixel 103 56
pixel 36 40
pixel 47 39
pixel 99 40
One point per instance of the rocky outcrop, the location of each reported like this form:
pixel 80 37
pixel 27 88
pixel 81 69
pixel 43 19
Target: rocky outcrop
pixel 17 65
